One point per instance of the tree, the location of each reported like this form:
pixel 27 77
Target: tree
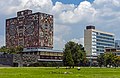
pixel 109 59
pixel 19 49
pixel 3 49
pixel 100 60
pixel 116 61
pixel 68 58
pixel 11 49
pixel 77 53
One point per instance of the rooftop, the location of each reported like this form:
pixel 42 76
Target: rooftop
pixel 43 50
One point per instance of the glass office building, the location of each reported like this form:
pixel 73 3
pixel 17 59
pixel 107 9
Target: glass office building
pixel 96 41
pixel 117 44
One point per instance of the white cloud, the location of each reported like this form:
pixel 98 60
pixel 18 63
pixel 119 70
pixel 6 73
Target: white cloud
pixel 61 30
pixel 107 16
pixel 79 41
pixel 2 41
pixel 12 6
pixel 69 18
pixel 83 12
pixel 59 42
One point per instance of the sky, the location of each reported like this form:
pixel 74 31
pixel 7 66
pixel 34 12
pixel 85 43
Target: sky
pixel 70 17
pixel 76 2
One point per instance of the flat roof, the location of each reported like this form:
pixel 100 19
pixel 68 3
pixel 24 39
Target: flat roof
pixel 94 30
pixel 49 60
pixel 1 52
pixel 43 50
pixel 102 32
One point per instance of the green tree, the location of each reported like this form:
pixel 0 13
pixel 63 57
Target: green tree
pixel 19 49
pixel 100 60
pixel 11 49
pixel 77 53
pixel 3 49
pixel 116 61
pixel 68 58
pixel 109 59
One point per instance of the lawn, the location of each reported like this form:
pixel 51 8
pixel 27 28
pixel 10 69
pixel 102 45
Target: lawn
pixel 32 72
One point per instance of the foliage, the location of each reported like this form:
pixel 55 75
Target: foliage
pixel 117 61
pixel 68 58
pixel 73 54
pixel 100 60
pixel 11 49
pixel 108 59
pixel 3 49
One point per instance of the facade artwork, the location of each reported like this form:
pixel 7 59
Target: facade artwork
pixel 30 30
pixel 34 32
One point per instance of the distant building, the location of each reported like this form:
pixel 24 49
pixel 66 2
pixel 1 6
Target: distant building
pixel 117 43
pixel 30 30
pixel 34 32
pixel 30 56
pixel 115 51
pixel 96 41
pixel 6 59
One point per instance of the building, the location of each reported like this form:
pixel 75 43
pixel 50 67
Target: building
pixel 30 30
pixel 96 41
pixel 117 43
pixel 115 51
pixel 31 56
pixel 34 32
pixel 6 59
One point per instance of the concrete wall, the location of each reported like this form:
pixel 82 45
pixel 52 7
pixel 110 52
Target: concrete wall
pixel 6 59
pixel 88 41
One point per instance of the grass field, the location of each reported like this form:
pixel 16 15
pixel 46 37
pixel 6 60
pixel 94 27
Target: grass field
pixel 37 72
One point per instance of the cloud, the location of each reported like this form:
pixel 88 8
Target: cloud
pixel 61 30
pixel 69 19
pixel 59 43
pixel 107 15
pixel 79 41
pixel 83 12
pixel 2 41
pixel 12 6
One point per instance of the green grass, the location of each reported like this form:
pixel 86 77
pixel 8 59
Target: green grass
pixel 33 72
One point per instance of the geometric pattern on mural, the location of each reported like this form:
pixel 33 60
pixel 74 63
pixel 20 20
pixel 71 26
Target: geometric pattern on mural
pixel 30 30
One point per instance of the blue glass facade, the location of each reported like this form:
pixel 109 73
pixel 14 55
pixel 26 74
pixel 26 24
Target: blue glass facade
pixel 100 41
pixel 117 43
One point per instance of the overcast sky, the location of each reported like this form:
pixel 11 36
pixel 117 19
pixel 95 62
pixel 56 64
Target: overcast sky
pixel 70 17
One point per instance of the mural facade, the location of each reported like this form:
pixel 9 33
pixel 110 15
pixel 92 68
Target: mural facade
pixel 30 30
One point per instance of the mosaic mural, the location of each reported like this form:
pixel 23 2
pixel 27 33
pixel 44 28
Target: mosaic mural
pixel 30 30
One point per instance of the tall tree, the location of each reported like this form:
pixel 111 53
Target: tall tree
pixel 77 52
pixel 68 58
